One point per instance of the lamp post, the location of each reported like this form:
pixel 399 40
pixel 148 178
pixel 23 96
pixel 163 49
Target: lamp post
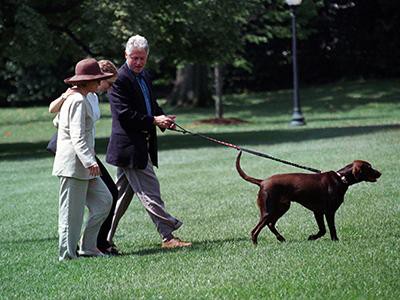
pixel 297 117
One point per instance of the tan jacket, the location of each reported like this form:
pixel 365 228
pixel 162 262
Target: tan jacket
pixel 75 141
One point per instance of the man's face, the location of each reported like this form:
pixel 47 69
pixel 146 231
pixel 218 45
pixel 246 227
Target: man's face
pixel 136 60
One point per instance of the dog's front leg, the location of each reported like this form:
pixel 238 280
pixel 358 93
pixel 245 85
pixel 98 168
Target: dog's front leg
pixel 319 217
pixel 330 219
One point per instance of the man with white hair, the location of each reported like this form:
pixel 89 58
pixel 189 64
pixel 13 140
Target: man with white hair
pixel 133 142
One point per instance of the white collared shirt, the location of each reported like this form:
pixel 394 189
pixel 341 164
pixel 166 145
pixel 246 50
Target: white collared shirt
pixel 94 103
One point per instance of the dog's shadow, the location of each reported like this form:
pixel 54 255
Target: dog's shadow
pixel 209 244
pixel 196 246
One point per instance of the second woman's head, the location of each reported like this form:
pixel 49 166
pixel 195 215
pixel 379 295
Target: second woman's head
pixel 88 75
pixel 107 67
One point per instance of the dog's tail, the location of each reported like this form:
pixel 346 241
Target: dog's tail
pixel 243 174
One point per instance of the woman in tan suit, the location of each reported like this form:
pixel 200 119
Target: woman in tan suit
pixel 75 165
pixel 108 67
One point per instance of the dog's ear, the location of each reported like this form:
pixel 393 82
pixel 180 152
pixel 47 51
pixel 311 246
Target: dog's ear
pixel 357 170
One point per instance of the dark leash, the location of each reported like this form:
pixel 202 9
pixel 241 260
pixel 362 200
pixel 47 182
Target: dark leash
pixel 185 131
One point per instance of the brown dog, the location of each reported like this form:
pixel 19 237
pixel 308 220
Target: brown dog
pixel 322 193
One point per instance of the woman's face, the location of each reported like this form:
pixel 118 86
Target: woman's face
pixel 106 84
pixel 92 86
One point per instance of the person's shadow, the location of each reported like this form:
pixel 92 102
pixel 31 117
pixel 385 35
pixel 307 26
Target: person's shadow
pixel 196 246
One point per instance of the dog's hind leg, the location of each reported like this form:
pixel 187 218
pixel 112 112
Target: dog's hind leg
pixel 261 202
pixel 257 229
pixel 319 217
pixel 278 212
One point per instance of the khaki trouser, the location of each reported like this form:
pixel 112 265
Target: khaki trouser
pixel 146 186
pixel 74 195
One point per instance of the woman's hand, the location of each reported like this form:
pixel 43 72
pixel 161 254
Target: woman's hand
pixel 68 92
pixel 94 170
pixel 55 105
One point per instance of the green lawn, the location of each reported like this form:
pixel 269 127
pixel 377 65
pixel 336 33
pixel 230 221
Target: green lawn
pixel 345 121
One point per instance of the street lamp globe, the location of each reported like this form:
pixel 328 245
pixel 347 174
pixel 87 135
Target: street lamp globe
pixel 293 2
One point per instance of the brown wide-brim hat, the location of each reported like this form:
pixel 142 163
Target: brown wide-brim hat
pixel 87 70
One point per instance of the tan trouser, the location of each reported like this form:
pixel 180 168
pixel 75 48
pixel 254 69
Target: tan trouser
pixel 146 186
pixel 74 195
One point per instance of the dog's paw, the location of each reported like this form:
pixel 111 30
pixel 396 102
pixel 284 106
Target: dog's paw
pixel 254 240
pixel 314 237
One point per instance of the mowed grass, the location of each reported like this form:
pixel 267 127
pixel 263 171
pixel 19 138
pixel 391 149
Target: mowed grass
pixel 345 121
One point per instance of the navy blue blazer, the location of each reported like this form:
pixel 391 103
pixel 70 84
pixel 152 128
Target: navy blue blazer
pixel 133 134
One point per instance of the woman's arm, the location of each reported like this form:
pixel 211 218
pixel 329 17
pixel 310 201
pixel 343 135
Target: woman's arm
pixel 56 104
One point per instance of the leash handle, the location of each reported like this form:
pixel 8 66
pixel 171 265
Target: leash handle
pixel 185 131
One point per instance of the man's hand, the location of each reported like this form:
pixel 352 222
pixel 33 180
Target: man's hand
pixel 173 118
pixel 94 170
pixel 164 121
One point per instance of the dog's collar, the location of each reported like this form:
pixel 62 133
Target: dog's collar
pixel 343 178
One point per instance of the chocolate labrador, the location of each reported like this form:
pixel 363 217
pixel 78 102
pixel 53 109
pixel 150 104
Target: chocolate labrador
pixel 322 193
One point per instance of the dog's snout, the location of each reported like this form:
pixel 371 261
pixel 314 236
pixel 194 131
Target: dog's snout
pixel 374 175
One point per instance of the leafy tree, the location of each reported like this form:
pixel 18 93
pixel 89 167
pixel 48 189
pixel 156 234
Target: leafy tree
pixel 30 50
pixel 359 38
pixel 195 35
pixel 337 39
pixel 41 40
pixel 265 61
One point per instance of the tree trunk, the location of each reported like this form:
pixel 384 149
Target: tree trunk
pixel 218 79
pixel 191 87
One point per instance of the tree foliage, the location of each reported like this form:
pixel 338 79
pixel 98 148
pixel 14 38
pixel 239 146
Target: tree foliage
pixel 41 40
pixel 337 39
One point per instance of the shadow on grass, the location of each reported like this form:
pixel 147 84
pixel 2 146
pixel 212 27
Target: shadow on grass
pixel 22 151
pixel 332 98
pixel 29 241
pixel 201 246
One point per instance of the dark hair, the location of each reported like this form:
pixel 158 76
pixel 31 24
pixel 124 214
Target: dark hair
pixel 107 66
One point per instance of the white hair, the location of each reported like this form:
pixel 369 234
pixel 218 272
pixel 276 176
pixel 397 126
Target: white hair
pixel 137 42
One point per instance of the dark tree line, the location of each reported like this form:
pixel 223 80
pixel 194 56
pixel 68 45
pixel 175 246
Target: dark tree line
pixel 249 40
pixel 346 39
